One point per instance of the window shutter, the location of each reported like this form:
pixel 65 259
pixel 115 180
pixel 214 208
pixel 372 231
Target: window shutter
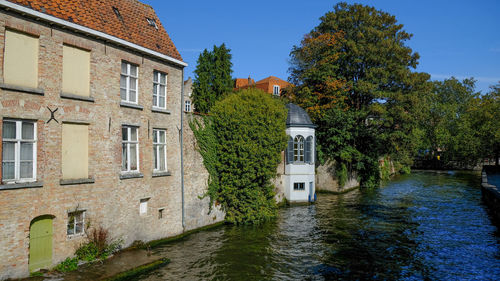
pixel 289 151
pixel 308 150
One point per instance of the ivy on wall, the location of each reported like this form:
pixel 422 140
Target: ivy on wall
pixel 241 143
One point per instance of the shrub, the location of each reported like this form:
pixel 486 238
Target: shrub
pixel 241 144
pixel 68 264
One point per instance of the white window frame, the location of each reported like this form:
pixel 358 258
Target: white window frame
pixel 299 184
pixel 156 149
pixel 298 149
pixel 128 76
pixel 75 223
pixel 276 90
pixel 17 151
pixel 187 106
pixel 128 142
pixel 156 89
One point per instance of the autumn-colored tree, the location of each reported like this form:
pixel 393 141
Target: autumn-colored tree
pixel 353 74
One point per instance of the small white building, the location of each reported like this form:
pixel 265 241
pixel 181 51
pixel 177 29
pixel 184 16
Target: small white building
pixel 300 156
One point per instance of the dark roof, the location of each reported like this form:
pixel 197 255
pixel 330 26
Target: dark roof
pixel 297 117
pixel 128 20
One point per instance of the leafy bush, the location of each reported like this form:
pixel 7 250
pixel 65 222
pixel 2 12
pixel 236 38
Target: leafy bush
pixel 241 144
pixel 341 172
pixel 68 264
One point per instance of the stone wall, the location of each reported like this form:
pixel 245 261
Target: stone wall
pixel 490 192
pixel 197 209
pixel 326 179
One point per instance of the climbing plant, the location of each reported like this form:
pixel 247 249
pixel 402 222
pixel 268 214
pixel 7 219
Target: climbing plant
pixel 241 143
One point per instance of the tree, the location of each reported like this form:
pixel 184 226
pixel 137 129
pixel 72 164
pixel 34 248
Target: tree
pixel 212 77
pixel 354 76
pixel 241 143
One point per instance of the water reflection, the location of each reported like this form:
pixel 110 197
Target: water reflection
pixel 418 227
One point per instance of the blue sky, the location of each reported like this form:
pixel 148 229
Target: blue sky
pixel 454 38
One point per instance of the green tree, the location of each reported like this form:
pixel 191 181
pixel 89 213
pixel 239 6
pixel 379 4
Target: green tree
pixel 212 77
pixel 452 126
pixel 354 76
pixel 241 143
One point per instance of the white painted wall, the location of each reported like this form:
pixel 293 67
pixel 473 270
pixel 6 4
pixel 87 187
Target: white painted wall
pixel 300 172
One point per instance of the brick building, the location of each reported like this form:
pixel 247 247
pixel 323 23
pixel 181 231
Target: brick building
pixel 91 124
pixel 272 85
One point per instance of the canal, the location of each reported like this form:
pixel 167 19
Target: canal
pixel 424 226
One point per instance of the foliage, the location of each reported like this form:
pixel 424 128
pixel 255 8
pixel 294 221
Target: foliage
pixel 462 125
pixel 341 172
pixel 212 77
pixel 241 143
pixel 353 74
pixel 67 265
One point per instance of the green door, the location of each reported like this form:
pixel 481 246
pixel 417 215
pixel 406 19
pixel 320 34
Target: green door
pixel 40 243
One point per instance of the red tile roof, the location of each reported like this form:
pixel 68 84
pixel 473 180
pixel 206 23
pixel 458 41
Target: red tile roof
pixel 125 19
pixel 265 84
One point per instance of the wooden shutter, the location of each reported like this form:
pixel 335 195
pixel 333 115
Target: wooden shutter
pixel 289 151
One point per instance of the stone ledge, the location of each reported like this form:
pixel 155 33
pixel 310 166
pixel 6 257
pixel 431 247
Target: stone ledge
pixel 76 181
pixel 131 105
pixel 161 174
pixel 131 176
pixel 28 90
pixel 76 97
pixel 159 110
pixel 36 184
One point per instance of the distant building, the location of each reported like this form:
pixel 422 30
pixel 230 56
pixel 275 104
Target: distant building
pixel 272 85
pixel 188 93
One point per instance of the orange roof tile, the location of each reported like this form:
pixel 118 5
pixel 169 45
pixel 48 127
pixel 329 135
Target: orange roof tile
pixel 124 19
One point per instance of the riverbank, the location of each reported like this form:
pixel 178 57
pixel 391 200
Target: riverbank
pixel 490 184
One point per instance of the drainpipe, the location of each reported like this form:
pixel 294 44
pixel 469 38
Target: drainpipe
pixel 182 149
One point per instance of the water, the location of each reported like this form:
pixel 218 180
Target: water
pixel 424 226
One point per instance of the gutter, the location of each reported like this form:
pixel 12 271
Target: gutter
pixel 88 31
pixel 182 150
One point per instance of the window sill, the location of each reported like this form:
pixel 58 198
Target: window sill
pixel 131 105
pixel 161 174
pixel 75 236
pixel 28 90
pixel 76 181
pixel 36 184
pixel 76 97
pixel 126 176
pixel 160 110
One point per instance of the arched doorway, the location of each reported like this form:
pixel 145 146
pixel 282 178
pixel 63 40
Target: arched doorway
pixel 40 243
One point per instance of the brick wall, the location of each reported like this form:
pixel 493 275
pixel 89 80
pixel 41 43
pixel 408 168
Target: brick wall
pixel 109 201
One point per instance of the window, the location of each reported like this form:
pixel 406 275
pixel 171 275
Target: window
pixel 188 106
pixel 299 186
pixel 298 149
pixel 130 149
pixel 143 206
pixel 128 82
pixel 159 150
pixel 309 150
pixel 76 223
pixel 276 90
pixel 20 59
pixel 18 151
pixel 160 90
pixel 75 151
pixel 160 213
pixel 76 71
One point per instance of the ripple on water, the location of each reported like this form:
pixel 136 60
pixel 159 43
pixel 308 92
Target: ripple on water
pixel 417 227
